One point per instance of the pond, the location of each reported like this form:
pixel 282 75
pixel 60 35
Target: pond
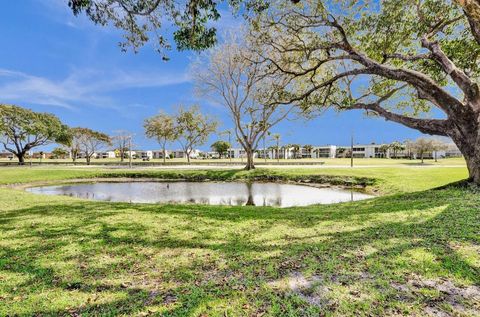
pixel 212 193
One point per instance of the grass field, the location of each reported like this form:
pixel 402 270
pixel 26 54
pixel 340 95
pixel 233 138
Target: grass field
pixel 415 250
pixel 325 161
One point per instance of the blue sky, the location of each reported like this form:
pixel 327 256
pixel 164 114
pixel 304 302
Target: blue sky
pixel 54 62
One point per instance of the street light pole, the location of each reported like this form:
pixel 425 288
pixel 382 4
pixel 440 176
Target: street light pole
pixel 230 143
pixel 30 152
pixel 351 151
pixel 130 151
pixel 264 144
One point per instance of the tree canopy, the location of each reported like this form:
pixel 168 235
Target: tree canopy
pixel 221 147
pixel 232 76
pixel 163 128
pixel 395 59
pixel 194 128
pixel 87 141
pixel 23 129
pixel 148 20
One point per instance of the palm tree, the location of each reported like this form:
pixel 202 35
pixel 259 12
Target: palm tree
pixel 396 147
pixel 272 149
pixel 309 149
pixel 276 137
pixel 296 150
pixel 384 149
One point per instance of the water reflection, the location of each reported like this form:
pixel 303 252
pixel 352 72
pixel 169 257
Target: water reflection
pixel 212 193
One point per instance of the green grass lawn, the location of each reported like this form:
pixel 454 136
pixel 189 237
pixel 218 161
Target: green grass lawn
pixel 413 251
pixel 325 161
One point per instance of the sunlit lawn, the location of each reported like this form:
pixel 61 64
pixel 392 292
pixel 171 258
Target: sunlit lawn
pixel 413 252
pixel 323 161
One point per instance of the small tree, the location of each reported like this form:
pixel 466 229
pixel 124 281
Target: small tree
pixel 409 148
pixel 438 145
pixel 22 130
pixel 59 153
pixel 193 128
pixel 163 128
pixel 422 146
pixel 221 147
pixel 88 142
pixel 122 141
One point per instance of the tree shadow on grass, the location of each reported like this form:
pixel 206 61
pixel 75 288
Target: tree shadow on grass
pixel 230 253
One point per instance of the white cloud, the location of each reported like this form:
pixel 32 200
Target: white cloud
pixel 81 87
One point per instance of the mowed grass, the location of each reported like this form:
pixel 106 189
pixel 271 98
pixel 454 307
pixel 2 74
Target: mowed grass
pixel 413 251
pixel 325 161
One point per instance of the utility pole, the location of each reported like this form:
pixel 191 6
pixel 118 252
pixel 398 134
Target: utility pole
pixel 278 149
pixel 130 151
pixel 30 152
pixel 230 143
pixel 351 151
pixel 264 150
pixel 264 145
pixel 229 132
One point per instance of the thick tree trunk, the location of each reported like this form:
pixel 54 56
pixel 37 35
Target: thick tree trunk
pixel 88 160
pixel 250 200
pixel 471 152
pixel 467 139
pixel 473 165
pixel 164 155
pixel 250 165
pixel 21 158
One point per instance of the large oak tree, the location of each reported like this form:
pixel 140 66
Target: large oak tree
pixel 396 59
pixel 22 130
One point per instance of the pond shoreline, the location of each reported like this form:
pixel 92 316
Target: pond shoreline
pixel 234 193
pixel 24 186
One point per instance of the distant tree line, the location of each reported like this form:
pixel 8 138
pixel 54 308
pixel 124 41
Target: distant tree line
pixel 188 126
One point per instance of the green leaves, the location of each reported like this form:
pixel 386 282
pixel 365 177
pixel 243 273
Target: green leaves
pixel 161 127
pixel 220 147
pixel 194 127
pixel 25 129
pixel 144 20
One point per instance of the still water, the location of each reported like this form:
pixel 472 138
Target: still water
pixel 212 193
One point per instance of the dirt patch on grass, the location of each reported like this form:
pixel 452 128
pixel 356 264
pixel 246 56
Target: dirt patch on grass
pixel 310 289
pixel 447 299
pixel 440 298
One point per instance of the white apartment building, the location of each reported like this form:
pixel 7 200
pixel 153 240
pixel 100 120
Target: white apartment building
pixel 326 151
pixel 239 153
pixel 181 154
pixel 363 151
pixel 158 154
pixel 105 155
pixel 81 155
pixel 132 154
pixel 144 155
